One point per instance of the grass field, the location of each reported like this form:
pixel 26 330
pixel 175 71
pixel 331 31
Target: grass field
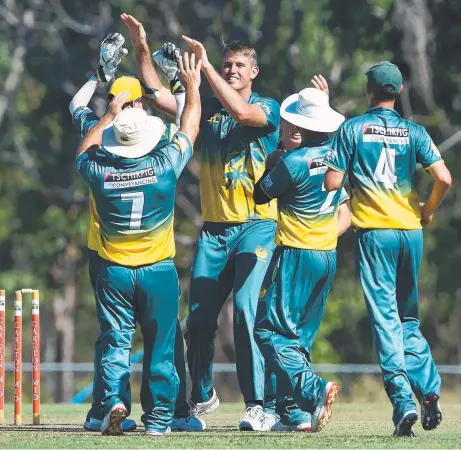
pixel 364 425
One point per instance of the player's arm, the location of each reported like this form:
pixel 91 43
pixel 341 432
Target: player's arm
pixel 84 94
pixel 338 158
pixel 333 179
pixel 344 217
pixel 244 113
pixel 442 184
pixel 273 184
pixel 190 78
pixel 93 138
pixel 145 71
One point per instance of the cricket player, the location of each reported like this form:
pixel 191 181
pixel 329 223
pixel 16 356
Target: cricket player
pixel 134 191
pixel 290 138
pixel 302 269
pixel 84 119
pixel 238 131
pixel 379 151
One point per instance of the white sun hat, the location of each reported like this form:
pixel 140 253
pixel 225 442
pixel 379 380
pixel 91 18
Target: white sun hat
pixel 133 133
pixel 311 110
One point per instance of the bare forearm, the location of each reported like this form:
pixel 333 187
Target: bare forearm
pixel 190 118
pixel 148 75
pixel 94 136
pixel 439 192
pixel 233 103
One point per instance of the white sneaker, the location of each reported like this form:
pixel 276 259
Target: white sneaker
pixel 95 425
pixel 112 423
pixel 198 409
pixel 158 432
pixel 253 419
pixel 269 421
pixel 190 423
pixel 322 414
pixel 281 428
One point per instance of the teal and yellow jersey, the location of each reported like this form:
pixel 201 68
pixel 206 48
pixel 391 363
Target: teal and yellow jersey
pixel 379 151
pixel 307 213
pixel 84 119
pixel 134 199
pixel 233 157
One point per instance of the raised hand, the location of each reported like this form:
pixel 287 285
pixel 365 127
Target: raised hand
pixel 167 58
pixel 136 31
pixel 116 105
pixel 189 70
pixel 110 56
pixel 320 83
pixel 199 51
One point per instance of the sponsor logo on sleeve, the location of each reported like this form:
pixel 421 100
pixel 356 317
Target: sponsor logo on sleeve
pixel 267 182
pixel 264 107
pixel 182 143
pixel 435 149
pixel 390 135
pixel 261 253
pixel 122 180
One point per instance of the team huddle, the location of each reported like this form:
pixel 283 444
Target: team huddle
pixel 273 206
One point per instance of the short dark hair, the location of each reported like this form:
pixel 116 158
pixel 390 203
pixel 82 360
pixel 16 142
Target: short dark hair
pixel 240 47
pixel 383 93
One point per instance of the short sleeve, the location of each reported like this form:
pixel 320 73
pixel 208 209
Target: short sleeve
pixel 84 119
pixel 272 110
pixel 278 181
pixel 343 196
pixel 88 167
pixel 178 152
pixel 427 152
pixel 340 153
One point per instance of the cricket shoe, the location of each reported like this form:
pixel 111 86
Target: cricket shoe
pixel 253 419
pixel 431 413
pixel 112 423
pixel 322 414
pixel 160 433
pixel 405 426
pixel 270 420
pixel 92 424
pixel 279 427
pixel 198 409
pixel 190 423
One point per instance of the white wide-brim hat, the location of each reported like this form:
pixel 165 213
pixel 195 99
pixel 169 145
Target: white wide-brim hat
pixel 311 110
pixel 133 133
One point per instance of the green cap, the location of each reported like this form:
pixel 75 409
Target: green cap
pixel 385 73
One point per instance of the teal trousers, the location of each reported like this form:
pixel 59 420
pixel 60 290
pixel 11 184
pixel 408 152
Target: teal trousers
pixel 96 410
pixel 150 295
pixel 228 257
pixel 288 318
pixel 388 264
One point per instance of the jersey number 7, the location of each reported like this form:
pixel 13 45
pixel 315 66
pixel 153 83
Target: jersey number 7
pixel 137 199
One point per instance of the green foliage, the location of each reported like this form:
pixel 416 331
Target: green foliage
pixel 43 204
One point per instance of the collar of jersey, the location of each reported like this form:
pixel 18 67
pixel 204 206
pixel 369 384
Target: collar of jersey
pixel 384 111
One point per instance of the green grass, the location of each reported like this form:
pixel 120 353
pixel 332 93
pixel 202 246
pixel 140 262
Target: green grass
pixel 359 425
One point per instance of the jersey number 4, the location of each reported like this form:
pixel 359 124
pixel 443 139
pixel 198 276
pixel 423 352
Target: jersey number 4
pixel 137 206
pixel 385 170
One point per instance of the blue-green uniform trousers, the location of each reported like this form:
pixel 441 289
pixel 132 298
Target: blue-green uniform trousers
pixel 229 256
pixel 388 264
pixel 181 407
pixel 150 295
pixel 289 315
